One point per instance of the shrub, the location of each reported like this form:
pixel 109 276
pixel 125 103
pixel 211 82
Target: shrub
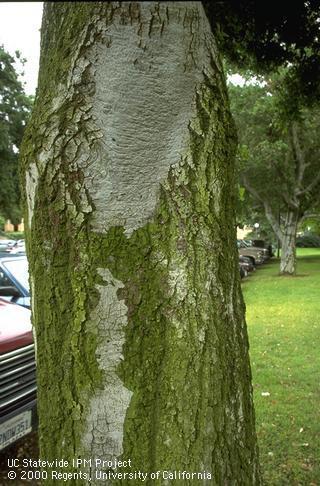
pixel 15 235
pixel 308 240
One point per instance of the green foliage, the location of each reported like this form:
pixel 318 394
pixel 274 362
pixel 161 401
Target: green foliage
pixel 15 107
pixel 254 114
pixel 16 235
pixel 308 240
pixel 284 331
pixel 267 156
pixel 311 224
pixel 262 36
pixel 2 222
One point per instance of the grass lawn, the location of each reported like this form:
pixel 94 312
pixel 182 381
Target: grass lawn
pixel 283 316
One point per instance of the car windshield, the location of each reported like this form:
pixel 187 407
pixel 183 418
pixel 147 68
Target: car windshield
pixel 19 270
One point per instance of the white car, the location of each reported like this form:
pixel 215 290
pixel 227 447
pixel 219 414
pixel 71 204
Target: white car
pixel 18 247
pixel 4 244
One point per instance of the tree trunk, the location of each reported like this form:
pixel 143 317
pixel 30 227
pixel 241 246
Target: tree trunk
pixel 288 244
pixel 142 346
pixel 286 235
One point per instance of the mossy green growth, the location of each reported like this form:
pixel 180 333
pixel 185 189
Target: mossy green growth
pixel 71 24
pixel 64 286
pixel 185 355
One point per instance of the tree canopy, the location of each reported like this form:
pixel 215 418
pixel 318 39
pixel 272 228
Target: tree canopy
pixel 262 36
pixel 15 107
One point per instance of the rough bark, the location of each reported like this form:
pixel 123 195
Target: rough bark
pixel 288 244
pixel 142 345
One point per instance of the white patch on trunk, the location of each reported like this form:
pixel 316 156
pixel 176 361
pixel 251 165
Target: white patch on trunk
pixel 146 82
pixel 32 176
pixel 288 245
pixel 104 434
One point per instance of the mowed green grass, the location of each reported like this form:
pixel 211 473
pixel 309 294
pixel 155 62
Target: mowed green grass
pixel 283 316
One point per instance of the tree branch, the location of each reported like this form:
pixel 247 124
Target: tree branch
pixel 299 156
pixel 310 215
pixel 267 208
pixel 291 202
pixel 251 189
pixel 273 220
pixel 309 188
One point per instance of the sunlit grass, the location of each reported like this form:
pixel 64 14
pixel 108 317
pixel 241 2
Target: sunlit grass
pixel 283 315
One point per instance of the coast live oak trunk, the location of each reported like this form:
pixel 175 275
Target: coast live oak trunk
pixel 142 346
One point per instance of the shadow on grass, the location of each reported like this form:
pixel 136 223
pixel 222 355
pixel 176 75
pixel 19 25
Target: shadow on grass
pixel 297 275
pixel 309 258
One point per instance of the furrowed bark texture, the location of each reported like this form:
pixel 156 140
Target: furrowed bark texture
pixel 141 341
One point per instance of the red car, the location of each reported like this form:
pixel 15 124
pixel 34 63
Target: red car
pixel 17 374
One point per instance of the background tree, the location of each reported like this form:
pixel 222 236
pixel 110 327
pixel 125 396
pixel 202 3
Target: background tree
pixel 279 160
pixel 129 182
pixel 15 107
pixel 267 38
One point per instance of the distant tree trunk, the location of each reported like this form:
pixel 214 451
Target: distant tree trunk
pixel 286 234
pixel 285 231
pixel 142 345
pixel 288 244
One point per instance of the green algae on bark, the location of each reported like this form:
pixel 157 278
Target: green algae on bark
pixel 141 341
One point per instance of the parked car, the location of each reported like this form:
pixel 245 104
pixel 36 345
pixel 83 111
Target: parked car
pixel 264 244
pixel 246 263
pixel 250 244
pixel 19 246
pixel 264 251
pixel 256 255
pixel 243 271
pixel 18 387
pixel 14 284
pixel 5 243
